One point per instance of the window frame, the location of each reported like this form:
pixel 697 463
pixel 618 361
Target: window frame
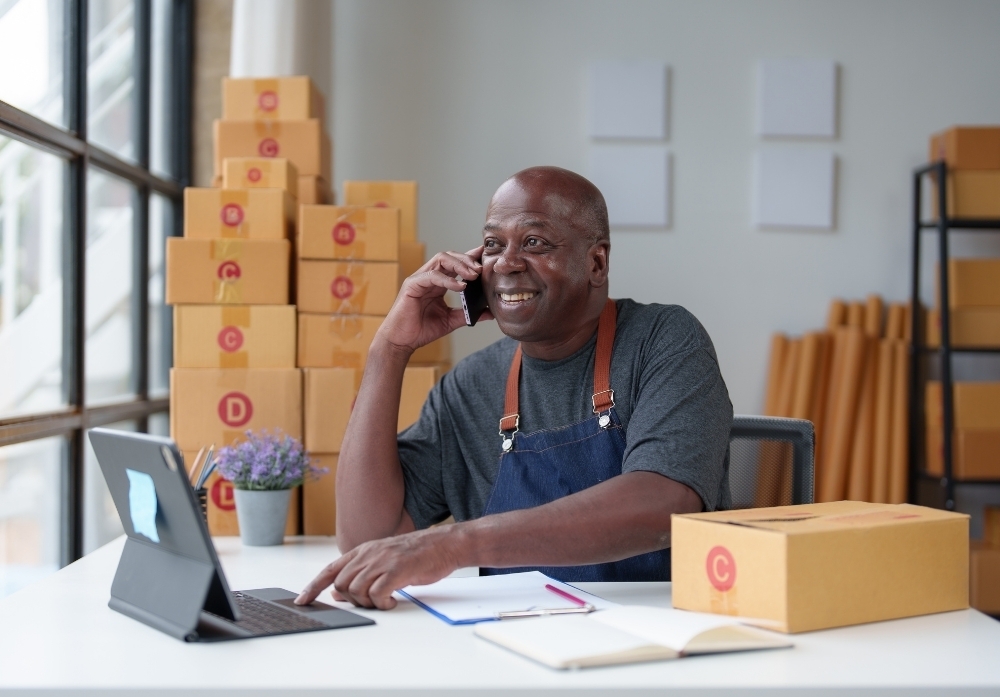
pixel 72 145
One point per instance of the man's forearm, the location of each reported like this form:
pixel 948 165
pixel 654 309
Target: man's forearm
pixel 370 485
pixel 619 518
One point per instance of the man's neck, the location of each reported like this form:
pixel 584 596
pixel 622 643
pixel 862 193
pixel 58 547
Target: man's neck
pixel 565 346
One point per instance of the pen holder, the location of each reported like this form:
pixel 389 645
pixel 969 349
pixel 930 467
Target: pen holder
pixel 202 494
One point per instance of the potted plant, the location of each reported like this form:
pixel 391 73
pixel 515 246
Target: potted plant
pixel 264 469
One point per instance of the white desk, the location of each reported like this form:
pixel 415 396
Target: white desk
pixel 59 635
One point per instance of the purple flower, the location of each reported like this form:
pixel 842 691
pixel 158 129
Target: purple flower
pixel 266 461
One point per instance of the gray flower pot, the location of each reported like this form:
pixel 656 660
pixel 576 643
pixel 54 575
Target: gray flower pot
pixel 262 516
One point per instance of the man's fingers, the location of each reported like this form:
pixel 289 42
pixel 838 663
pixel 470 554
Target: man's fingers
pixel 380 592
pixel 467 266
pixel 322 580
pixel 434 278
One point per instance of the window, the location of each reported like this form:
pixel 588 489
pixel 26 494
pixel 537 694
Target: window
pixel 94 155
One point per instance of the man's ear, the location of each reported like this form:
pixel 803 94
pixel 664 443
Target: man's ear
pixel 599 256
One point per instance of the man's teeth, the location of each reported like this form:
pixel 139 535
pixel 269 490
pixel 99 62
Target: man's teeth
pixel 515 297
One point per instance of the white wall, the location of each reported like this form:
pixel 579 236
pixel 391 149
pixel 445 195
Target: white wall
pixel 460 94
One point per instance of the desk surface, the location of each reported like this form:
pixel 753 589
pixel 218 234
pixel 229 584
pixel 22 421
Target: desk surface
pixel 59 634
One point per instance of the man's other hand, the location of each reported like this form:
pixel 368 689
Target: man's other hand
pixel 368 574
pixel 420 315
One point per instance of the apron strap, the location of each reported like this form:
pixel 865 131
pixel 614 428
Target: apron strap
pixel 603 398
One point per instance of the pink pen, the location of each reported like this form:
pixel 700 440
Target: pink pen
pixel 563 594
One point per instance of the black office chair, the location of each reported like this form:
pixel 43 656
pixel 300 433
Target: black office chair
pixel 771 461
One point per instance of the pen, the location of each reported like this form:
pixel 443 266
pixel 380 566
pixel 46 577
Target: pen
pixel 566 596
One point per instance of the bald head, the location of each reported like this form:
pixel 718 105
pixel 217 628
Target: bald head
pixel 574 198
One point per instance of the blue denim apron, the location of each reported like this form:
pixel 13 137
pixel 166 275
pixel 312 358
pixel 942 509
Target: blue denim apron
pixel 538 468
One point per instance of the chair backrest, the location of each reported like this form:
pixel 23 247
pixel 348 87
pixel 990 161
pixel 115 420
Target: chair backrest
pixel 771 461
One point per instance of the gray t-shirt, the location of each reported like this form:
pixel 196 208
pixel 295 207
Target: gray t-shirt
pixel 669 396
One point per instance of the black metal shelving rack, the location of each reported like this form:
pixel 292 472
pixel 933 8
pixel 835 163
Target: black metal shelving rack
pixel 919 352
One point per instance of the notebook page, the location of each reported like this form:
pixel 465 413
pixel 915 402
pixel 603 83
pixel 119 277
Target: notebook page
pixel 482 597
pixel 660 625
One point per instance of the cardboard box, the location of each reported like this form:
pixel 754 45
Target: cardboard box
pixel 976 404
pixel 438 351
pixel 991 526
pixel 975 452
pixel 335 341
pixel 347 287
pixel 801 568
pixel 222 519
pixel 304 143
pixel 314 190
pixel 319 498
pixel 348 232
pixel 279 98
pixel 970 194
pixel 399 194
pixel 246 214
pixel 224 272
pixel 412 255
pixel 234 336
pixel 967 147
pixel 984 577
pixel 218 406
pixel 973 283
pixel 977 327
pixel 329 400
pixel 260 173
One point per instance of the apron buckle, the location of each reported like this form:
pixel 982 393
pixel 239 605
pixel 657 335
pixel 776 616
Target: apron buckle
pixel 607 403
pixel 507 442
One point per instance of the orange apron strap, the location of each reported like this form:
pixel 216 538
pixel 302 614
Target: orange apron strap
pixel 603 398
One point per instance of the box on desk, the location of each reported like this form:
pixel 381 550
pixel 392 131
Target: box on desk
pixel 303 143
pixel 347 287
pixel 348 232
pixel 234 336
pixel 977 327
pixel 257 214
pixel 967 147
pixel 801 568
pixel 221 509
pixel 393 194
pixel 330 395
pixel 319 498
pixel 223 272
pixel 260 173
pixel 277 98
pixel 218 406
pixel 335 341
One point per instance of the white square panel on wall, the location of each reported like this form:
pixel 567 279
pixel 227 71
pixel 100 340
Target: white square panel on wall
pixel 628 99
pixel 794 187
pixel 635 181
pixel 797 98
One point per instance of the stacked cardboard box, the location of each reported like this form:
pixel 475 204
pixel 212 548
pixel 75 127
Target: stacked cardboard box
pixel 351 262
pixel 229 278
pixel 976 439
pixel 269 118
pixel 984 565
pixel 972 155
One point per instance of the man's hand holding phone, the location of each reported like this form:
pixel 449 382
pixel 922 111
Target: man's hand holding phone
pixel 420 315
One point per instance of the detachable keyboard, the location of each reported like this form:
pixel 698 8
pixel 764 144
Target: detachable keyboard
pixel 262 617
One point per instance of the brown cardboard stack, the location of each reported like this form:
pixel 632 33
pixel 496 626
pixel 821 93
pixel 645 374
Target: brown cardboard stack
pixel 974 299
pixel 851 381
pixel 984 565
pixel 271 118
pixel 972 155
pixel 229 278
pixel 976 434
pixel 351 262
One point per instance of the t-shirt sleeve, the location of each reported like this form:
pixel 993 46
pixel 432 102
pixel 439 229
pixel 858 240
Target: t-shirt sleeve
pixel 682 415
pixel 421 457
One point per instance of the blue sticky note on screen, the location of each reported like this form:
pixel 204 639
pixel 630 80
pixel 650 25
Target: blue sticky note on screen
pixel 142 504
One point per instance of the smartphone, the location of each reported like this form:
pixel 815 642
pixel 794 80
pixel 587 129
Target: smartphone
pixel 474 301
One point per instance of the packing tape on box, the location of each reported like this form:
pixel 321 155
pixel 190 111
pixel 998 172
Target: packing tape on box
pixel 233 318
pixel 226 250
pixel 268 132
pixel 346 359
pixel 233 205
pixel 227 288
pixel 345 234
pixel 349 291
pixel 236 316
pixel 227 292
pixel 381 192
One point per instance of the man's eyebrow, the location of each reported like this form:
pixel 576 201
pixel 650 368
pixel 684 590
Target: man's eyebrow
pixel 533 223
pixel 490 227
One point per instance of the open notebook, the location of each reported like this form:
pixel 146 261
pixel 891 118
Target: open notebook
pixel 625 634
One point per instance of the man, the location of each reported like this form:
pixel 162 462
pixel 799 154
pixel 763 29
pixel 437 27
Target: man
pixel 567 455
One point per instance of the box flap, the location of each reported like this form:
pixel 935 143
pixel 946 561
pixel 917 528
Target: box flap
pixel 817 517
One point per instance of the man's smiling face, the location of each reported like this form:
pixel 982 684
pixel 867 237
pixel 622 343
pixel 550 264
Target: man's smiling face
pixel 538 265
